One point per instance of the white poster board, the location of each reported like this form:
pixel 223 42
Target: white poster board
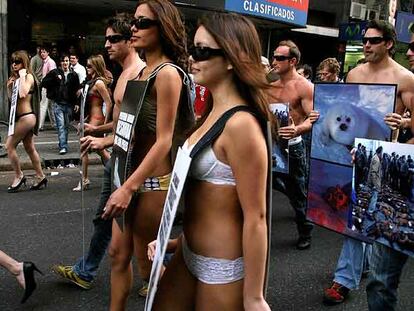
pixel 14 98
pixel 175 189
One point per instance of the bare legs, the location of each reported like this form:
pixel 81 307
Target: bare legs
pixel 23 131
pixel 29 146
pixel 13 266
pixel 120 252
pixel 141 228
pixel 146 223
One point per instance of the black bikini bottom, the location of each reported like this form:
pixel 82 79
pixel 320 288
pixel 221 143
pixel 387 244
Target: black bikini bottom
pixel 22 115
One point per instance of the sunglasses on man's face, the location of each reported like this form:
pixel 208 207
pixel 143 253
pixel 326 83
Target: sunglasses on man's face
pixel 115 38
pixel 16 61
pixel 199 53
pixel 372 40
pixel 411 46
pixel 281 58
pixel 143 23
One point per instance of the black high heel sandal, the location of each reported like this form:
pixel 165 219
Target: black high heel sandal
pixel 30 284
pixel 39 185
pixel 12 188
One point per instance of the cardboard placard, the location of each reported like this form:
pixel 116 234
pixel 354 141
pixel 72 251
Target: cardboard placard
pixel 175 189
pixel 347 111
pixel 384 215
pixel 280 150
pixel 13 106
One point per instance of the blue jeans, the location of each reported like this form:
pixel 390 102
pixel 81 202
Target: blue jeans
pixel 354 259
pixel 386 268
pixel 373 201
pixel 62 114
pixel 294 186
pixel 87 268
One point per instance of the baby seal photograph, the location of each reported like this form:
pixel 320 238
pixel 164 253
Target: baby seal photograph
pixel 349 111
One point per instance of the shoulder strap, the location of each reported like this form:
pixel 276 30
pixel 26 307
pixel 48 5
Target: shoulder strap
pixel 186 79
pixel 218 128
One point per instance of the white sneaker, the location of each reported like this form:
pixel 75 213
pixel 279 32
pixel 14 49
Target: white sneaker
pixel 63 151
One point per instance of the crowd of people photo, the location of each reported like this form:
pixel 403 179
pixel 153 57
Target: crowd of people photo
pixel 226 188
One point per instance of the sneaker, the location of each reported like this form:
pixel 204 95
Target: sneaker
pixel 63 151
pixel 143 291
pixel 335 294
pixel 303 243
pixel 67 273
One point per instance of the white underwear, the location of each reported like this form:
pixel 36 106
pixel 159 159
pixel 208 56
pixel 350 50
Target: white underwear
pixel 211 270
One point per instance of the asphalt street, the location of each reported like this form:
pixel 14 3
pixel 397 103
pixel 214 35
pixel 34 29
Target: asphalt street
pixel 46 227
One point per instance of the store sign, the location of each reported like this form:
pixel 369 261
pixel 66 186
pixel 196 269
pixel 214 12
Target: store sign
pixel 402 26
pixel 352 31
pixel 288 11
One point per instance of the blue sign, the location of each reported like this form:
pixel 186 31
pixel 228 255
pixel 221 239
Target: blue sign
pixel 403 23
pixel 352 31
pixel 288 11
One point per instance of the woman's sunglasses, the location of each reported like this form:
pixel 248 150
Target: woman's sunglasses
pixel 143 23
pixel 115 38
pixel 199 53
pixel 16 61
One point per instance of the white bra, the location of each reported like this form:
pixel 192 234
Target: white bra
pixel 206 167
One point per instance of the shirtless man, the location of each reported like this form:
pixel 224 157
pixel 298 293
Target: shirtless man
pixel 294 89
pixel 118 46
pixel 379 43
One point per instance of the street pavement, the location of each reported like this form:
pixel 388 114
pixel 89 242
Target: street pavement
pixel 46 227
pixel 47 146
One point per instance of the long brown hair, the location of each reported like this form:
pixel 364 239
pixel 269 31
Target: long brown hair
pixel 172 31
pixel 24 57
pixel 98 65
pixel 238 38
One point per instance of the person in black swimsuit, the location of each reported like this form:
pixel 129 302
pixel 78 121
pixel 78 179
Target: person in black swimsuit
pixel 25 125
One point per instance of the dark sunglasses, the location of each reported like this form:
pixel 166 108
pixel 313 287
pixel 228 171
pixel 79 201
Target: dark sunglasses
pixel 372 40
pixel 115 38
pixel 281 58
pixel 143 23
pixel 199 53
pixel 16 61
pixel 88 66
pixel 411 46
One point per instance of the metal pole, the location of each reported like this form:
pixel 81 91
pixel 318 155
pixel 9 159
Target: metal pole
pixel 269 38
pixel 4 107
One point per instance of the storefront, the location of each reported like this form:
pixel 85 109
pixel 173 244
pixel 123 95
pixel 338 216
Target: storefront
pixel 81 24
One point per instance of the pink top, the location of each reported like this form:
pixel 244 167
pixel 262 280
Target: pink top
pixel 48 65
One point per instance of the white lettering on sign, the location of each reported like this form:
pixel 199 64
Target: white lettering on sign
pixel 124 130
pixel 268 9
pixel 119 141
pixel 14 98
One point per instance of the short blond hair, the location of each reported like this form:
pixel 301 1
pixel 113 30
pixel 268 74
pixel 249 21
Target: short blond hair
pixel 332 64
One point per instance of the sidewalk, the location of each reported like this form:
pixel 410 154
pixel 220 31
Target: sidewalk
pixel 47 147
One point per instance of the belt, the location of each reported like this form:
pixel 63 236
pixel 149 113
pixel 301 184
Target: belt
pixel 295 140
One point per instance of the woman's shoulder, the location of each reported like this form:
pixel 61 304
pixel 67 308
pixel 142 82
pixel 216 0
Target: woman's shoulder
pixel 243 125
pixel 168 70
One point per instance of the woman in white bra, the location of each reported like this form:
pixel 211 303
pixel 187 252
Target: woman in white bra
pixel 220 259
